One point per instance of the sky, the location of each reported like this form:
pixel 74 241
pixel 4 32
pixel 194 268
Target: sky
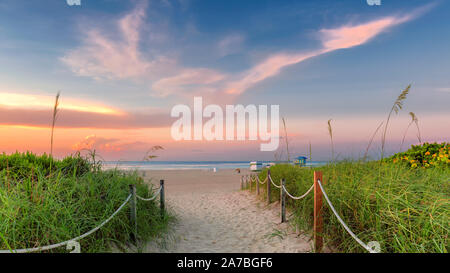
pixel 121 66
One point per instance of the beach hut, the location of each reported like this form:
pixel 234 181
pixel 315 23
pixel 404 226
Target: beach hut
pixel 300 161
pixel 255 166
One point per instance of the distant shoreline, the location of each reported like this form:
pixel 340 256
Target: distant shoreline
pixel 187 165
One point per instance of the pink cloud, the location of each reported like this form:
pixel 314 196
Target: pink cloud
pixel 118 57
pixel 268 68
pixel 102 57
pixel 332 39
pixel 350 36
pixel 194 79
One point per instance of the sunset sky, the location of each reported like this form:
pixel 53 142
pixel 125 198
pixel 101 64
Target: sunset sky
pixel 122 65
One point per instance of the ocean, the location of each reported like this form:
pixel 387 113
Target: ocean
pixel 186 165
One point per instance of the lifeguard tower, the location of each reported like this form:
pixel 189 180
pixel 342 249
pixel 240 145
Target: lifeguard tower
pixel 300 161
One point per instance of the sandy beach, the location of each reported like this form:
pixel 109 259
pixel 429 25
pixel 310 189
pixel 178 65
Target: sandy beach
pixel 213 215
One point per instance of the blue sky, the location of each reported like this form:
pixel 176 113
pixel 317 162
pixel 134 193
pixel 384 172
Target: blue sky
pixel 139 56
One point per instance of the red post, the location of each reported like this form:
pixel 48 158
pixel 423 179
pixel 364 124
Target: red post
pixel 318 220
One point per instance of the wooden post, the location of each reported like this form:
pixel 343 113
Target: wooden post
pixel 242 182
pixel 251 182
pixel 318 220
pixel 133 213
pixel 257 186
pixel 283 201
pixel 268 187
pixel 161 198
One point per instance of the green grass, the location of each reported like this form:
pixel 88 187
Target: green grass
pixel 45 201
pixel 405 209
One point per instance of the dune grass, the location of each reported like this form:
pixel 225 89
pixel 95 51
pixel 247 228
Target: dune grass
pixel 405 209
pixel 401 201
pixel 46 201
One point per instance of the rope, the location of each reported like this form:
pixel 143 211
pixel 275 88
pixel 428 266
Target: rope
pixel 270 178
pixel 372 247
pixel 299 197
pixel 151 198
pixel 43 248
pixel 263 182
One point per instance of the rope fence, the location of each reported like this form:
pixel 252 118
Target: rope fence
pixel 151 198
pixel 371 247
pixel 262 182
pixel 299 197
pixel 73 243
pixel 273 183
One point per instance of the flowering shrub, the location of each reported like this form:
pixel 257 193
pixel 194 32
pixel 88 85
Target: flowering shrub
pixel 426 155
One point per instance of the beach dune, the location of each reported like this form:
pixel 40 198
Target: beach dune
pixel 213 216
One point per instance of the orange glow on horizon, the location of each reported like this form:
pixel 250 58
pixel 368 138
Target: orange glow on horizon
pixel 132 144
pixel 27 101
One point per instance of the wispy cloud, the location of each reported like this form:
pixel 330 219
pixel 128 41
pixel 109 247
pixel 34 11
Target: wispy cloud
pixel 268 68
pixel 332 39
pixel 102 57
pixel 350 36
pixel 119 57
pixel 196 80
pixel 230 44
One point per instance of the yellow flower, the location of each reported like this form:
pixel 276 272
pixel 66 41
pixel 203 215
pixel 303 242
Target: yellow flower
pixel 414 165
pixel 427 153
pixel 434 155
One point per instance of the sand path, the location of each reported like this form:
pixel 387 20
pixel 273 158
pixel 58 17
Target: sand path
pixel 213 215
